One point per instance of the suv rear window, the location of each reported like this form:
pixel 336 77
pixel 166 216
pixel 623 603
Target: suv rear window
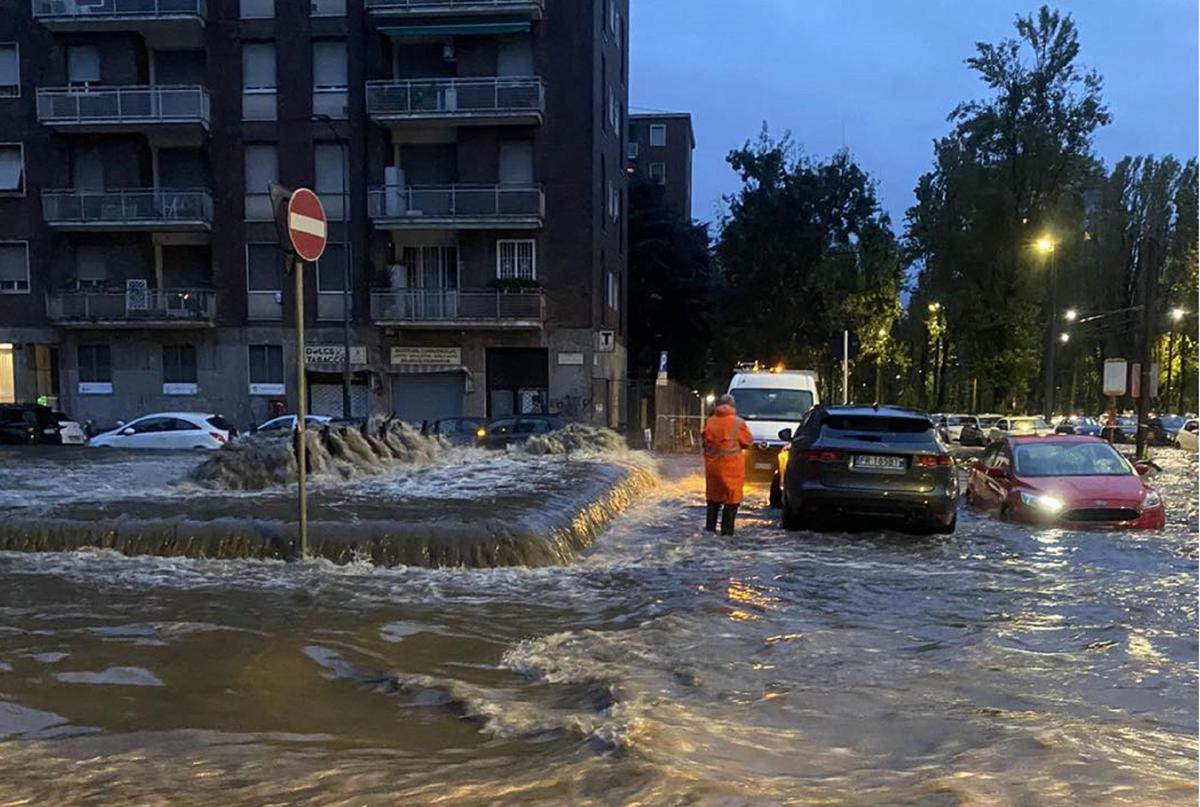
pixel 218 422
pixel 881 428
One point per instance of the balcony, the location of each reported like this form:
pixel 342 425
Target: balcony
pixel 165 109
pixel 523 9
pixel 144 209
pixel 455 308
pixel 456 207
pixel 497 101
pixel 134 308
pixel 164 23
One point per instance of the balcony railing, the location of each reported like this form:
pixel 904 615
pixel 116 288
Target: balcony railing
pixel 123 106
pixel 169 306
pixel 463 206
pixel 106 10
pixel 457 307
pixel 457 98
pixel 156 208
pixel 446 7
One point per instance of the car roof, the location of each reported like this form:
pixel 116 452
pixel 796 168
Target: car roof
pixel 1057 438
pixel 176 415
pixel 875 411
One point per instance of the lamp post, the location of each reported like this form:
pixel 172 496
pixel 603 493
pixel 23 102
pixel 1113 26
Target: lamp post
pixel 1048 247
pixel 1177 314
pixel 346 299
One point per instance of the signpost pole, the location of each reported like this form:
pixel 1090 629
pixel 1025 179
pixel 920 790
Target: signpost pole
pixel 845 367
pixel 301 407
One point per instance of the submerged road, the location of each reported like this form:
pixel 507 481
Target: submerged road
pixel 1001 665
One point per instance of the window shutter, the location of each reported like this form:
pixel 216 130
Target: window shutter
pixel 329 64
pixel 258 65
pixel 83 64
pixel 14 265
pixel 11 170
pixel 328 158
pixel 262 167
pixel 10 71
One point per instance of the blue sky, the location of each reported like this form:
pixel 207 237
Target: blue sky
pixel 884 74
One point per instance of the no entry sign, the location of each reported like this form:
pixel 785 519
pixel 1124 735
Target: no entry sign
pixel 306 224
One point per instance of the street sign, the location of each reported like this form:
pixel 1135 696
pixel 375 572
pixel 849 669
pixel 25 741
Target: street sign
pixel 306 224
pixel 1116 377
pixel 606 341
pixel 1135 380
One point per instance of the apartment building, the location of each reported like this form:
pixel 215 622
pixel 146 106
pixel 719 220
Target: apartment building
pixel 469 154
pixel 660 148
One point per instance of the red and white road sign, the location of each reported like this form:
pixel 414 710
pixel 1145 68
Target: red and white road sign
pixel 306 224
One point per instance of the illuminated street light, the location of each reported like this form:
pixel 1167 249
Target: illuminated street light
pixel 1178 314
pixel 1064 337
pixel 1044 245
pixel 710 399
pixel 1071 315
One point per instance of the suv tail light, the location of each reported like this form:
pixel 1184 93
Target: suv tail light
pixel 819 455
pixel 936 461
pixel 220 438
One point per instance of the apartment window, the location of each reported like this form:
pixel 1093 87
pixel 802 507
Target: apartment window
pixel 83 64
pixel 604 119
pixel 606 189
pixel 262 168
pixel 611 200
pixel 658 173
pixel 330 83
pixel 264 268
pixel 179 369
pixel 91 271
pixel 516 259
pixel 327 8
pixel 257 9
pixel 10 70
pixel 658 135
pixel 14 267
pixel 331 269
pixel 614 116
pixel 613 292
pixel 613 16
pixel 12 169
pixel 266 369
pixel 330 172
pixel 258 81
pixel 95 365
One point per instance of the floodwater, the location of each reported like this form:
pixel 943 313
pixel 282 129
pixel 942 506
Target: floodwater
pixel 1003 665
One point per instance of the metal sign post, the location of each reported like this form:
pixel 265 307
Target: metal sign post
pixel 308 231
pixel 845 367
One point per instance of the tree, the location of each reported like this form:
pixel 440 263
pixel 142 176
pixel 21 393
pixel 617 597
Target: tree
pixel 805 250
pixel 670 287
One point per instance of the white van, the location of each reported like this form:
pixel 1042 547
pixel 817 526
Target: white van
pixel 771 400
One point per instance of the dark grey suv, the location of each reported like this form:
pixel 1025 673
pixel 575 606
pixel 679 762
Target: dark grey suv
pixel 849 463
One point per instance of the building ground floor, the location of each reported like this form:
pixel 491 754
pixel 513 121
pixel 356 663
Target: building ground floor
pixel 249 374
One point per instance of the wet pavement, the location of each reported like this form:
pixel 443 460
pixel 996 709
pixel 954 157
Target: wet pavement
pixel 1001 665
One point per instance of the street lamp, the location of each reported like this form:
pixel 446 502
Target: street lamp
pixel 1064 337
pixel 1071 315
pixel 1049 247
pixel 1178 314
pixel 710 399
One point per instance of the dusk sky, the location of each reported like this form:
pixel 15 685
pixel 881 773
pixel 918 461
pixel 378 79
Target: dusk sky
pixel 886 73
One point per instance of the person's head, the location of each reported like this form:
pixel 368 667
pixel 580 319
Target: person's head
pixel 726 400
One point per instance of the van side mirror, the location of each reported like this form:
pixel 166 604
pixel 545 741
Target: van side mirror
pixel 785 435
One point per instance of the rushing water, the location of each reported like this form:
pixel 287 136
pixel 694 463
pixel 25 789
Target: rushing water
pixel 1000 665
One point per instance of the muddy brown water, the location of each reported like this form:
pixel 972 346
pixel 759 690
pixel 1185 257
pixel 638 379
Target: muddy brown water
pixel 1001 665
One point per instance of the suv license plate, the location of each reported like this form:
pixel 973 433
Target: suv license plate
pixel 876 462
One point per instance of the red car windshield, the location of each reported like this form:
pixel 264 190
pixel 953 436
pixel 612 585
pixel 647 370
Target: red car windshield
pixel 1069 459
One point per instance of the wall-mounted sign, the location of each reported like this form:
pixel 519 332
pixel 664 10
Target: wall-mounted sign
pixel 429 356
pixel 606 341
pixel 570 359
pixel 266 389
pixel 180 389
pixel 333 354
pixel 1116 375
pixel 95 388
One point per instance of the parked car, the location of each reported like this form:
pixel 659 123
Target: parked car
pixel 1078 424
pixel 288 423
pixel 458 431
pixel 1185 438
pixel 1123 433
pixel 1023 426
pixel 977 434
pixel 950 427
pixel 848 462
pixel 515 429
pixel 1065 480
pixel 169 430
pixel 30 423
pixel 1163 429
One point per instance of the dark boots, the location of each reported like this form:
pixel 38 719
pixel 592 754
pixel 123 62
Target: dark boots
pixel 728 514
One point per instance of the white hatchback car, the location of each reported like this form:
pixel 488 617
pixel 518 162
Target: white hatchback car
pixel 288 423
pixel 169 430
pixel 1186 437
pixel 1019 427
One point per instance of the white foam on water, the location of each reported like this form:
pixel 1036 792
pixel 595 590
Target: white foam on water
pixel 113 676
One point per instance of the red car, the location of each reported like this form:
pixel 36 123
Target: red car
pixel 1064 481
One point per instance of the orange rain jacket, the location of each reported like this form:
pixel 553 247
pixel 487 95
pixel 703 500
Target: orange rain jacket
pixel 725 437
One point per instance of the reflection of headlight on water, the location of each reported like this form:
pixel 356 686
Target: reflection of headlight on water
pixel 1045 503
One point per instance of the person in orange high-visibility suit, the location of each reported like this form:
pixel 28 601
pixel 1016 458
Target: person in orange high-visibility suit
pixel 726 436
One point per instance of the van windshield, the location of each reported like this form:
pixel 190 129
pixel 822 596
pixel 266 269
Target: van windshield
pixel 788 405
